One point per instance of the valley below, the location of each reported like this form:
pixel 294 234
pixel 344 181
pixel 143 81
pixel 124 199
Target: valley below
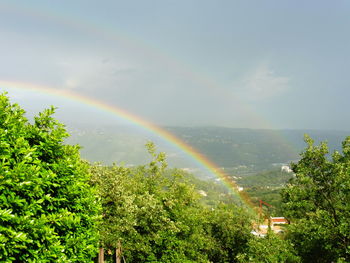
pixel 253 158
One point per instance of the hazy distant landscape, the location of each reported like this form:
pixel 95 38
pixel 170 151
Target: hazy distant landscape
pixel 252 157
pixel 236 150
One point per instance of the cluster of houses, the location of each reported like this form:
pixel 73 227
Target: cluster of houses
pixel 274 224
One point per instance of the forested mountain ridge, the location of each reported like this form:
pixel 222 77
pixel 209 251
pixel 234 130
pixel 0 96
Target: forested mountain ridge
pixel 227 147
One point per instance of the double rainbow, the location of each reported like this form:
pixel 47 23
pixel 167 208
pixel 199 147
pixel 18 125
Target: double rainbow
pixel 137 121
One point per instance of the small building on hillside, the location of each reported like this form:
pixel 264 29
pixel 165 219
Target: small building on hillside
pixel 277 224
pixel 273 223
pixel 279 221
pixel 286 168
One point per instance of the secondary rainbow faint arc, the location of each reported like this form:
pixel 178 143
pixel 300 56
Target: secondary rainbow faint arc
pixel 183 69
pixel 135 44
pixel 197 156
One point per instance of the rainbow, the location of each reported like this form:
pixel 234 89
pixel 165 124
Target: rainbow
pixel 114 35
pixel 136 45
pixel 126 40
pixel 137 121
pixel 129 42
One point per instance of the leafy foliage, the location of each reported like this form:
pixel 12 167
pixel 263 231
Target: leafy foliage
pixel 229 228
pixel 47 208
pixel 158 217
pixel 317 200
pixel 270 249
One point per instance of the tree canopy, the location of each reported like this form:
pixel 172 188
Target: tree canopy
pixel 317 200
pixel 157 216
pixel 47 208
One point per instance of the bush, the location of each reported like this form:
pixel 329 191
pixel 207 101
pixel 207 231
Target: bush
pixel 47 208
pixel 317 201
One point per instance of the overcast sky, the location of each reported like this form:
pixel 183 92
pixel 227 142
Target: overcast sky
pixel 245 64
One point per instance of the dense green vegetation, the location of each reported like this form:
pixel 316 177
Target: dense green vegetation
pixel 54 207
pixel 271 248
pixel 47 208
pixel 157 216
pixel 318 202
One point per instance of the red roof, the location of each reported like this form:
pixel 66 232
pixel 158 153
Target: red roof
pixel 281 220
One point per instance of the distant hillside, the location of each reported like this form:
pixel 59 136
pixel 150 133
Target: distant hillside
pixel 227 147
pixel 230 147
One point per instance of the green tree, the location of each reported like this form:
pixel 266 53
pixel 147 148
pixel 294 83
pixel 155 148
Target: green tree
pixel 47 208
pixel 317 201
pixel 269 249
pixel 153 216
pixel 157 216
pixel 228 227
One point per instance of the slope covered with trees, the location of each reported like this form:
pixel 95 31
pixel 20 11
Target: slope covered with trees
pixel 240 151
pixel 54 207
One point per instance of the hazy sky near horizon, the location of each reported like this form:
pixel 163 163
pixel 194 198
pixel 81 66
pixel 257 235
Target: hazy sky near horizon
pixel 244 64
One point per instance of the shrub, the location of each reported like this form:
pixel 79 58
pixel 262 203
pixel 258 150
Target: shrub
pixel 47 208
